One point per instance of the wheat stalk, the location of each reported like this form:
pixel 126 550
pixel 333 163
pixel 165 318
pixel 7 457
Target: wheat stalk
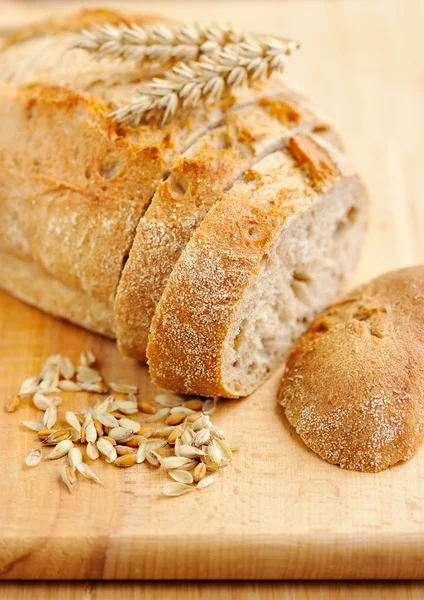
pixel 186 84
pixel 159 44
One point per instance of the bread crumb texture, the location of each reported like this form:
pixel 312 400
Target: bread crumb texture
pixel 268 256
pixel 353 386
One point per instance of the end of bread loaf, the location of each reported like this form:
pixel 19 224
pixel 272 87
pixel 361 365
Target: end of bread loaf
pixel 354 385
pixel 272 253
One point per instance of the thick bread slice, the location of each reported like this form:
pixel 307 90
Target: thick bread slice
pixel 195 182
pixel 76 180
pixel 267 257
pixel 354 384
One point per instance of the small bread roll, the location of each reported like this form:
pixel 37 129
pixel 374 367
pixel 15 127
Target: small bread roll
pixel 354 385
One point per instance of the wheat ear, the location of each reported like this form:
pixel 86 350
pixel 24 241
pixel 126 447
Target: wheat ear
pixel 159 43
pixel 186 84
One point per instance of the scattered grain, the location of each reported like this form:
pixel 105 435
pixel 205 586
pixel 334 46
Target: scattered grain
pixel 34 458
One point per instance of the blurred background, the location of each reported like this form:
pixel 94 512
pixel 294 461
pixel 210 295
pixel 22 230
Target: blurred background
pixel 360 62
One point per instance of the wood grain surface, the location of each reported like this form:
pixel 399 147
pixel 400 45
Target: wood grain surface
pixel 279 512
pixel 207 590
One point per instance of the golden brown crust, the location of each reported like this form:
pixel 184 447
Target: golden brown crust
pixel 75 184
pixel 354 385
pixel 184 198
pixel 58 145
pixel 318 164
pixel 28 282
pixel 197 307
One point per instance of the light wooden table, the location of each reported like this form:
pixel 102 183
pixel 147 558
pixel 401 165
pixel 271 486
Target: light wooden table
pixel 361 63
pixel 212 591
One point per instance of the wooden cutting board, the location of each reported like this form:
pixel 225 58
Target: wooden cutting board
pixel 279 511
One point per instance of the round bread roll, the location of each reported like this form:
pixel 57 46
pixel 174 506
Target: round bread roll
pixel 354 385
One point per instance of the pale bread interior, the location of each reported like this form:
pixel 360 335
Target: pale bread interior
pixel 299 276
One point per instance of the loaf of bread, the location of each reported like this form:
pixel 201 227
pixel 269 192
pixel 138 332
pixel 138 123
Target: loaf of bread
pixel 354 385
pixel 102 222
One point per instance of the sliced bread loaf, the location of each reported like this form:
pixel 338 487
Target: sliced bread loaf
pixel 74 184
pixel 196 180
pixel 267 257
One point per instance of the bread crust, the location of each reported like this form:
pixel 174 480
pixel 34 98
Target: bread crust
pixel 181 201
pixel 74 184
pixel 354 385
pixel 199 303
pixel 28 282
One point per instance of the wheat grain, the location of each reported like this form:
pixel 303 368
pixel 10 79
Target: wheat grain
pixel 123 450
pixel 199 472
pixel 128 460
pixel 126 407
pixel 169 400
pixel 121 434
pixel 123 388
pixel 209 405
pixel 190 451
pixel 159 415
pixel 134 426
pixel 175 433
pixel 175 418
pixel 141 452
pixel 194 417
pixel 92 451
pixel 146 407
pixel 72 420
pixel 87 375
pixel 195 404
pixel 33 458
pixel 29 386
pixel 33 425
pixel 181 476
pixel 156 443
pixel 66 368
pixel 13 405
pixel 106 448
pixel 74 457
pixel 88 473
pixel 173 462
pixel 107 420
pixel 67 474
pixel 61 449
pixel 202 437
pixel 176 489
pixel 185 85
pixel 197 443
pixel 41 401
pixel 158 44
pixel 206 481
pixel 68 386
pixel 153 458
pixel 50 417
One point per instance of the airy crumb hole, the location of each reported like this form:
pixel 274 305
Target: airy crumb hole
pixel 110 166
pixel 177 185
pixel 351 218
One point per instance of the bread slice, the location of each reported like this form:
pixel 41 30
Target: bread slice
pixel 354 384
pixel 196 179
pixel 74 184
pixel 272 253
